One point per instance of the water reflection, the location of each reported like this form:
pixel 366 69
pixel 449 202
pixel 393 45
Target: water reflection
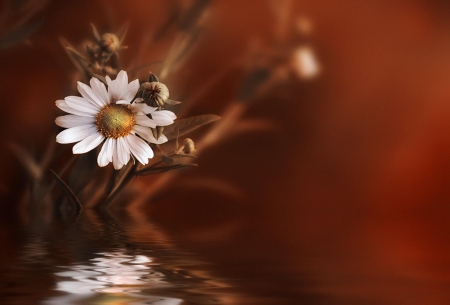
pixel 116 273
pixel 99 259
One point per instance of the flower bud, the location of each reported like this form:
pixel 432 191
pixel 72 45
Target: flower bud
pixel 154 94
pixel 109 43
pixel 92 49
pixel 188 146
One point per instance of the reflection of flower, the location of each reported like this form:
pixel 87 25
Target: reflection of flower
pixel 114 273
pixel 109 114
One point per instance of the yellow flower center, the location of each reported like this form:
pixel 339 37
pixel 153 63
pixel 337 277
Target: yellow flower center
pixel 115 121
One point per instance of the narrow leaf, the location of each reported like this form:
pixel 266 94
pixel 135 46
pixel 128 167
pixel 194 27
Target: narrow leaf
pixel 76 53
pixel 79 62
pixel 162 169
pixel 153 78
pixel 184 156
pixel 67 191
pixel 184 126
pixel 172 102
pixel 94 30
pixel 167 160
pixel 122 32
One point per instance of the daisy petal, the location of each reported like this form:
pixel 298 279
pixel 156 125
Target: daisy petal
pixel 122 80
pixel 110 149
pixel 143 120
pixel 108 80
pixel 120 151
pixel 75 134
pixel 81 104
pixel 61 104
pixel 102 158
pixel 90 95
pixel 88 143
pixel 168 113
pixel 139 149
pixel 142 107
pixel 162 139
pixel 146 134
pixel 68 121
pixel 99 88
pixel 115 156
pixel 117 86
pixel 124 151
pixel 127 152
pixel 163 117
pixel 131 90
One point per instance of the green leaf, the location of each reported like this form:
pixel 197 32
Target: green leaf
pixel 184 126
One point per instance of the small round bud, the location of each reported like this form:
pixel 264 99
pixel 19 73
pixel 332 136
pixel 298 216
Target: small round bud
pixel 109 43
pixel 188 146
pixel 154 94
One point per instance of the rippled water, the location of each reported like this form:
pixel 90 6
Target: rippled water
pixel 126 258
pixel 97 259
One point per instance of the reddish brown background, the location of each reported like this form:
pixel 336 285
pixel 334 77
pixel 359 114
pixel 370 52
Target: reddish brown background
pixel 351 189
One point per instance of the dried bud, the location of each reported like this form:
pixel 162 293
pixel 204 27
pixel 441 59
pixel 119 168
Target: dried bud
pixel 92 49
pixel 154 94
pixel 109 43
pixel 106 70
pixel 188 146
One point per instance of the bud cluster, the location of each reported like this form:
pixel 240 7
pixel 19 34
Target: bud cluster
pixel 100 55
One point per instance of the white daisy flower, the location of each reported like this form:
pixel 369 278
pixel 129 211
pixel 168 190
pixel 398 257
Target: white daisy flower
pixel 107 116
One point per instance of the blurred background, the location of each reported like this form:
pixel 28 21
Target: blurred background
pixel 332 184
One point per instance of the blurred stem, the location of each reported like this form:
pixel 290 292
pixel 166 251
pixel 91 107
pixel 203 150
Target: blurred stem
pixel 126 179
